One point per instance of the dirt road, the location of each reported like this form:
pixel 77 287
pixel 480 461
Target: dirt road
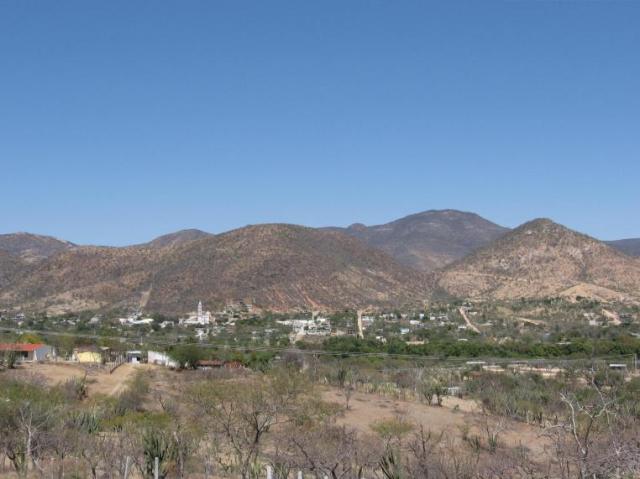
pixel 470 325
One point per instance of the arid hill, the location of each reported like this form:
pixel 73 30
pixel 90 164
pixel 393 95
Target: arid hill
pixel 177 238
pixel 271 266
pixel 541 259
pixel 31 247
pixel 86 277
pixel 629 246
pixel 10 267
pixel 429 240
pixel 281 267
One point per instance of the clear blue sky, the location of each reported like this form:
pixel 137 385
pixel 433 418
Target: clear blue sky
pixel 123 120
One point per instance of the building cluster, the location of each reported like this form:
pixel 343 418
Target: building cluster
pixel 316 326
pixel 199 317
pixel 134 319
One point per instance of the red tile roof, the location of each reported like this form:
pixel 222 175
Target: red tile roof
pixel 23 348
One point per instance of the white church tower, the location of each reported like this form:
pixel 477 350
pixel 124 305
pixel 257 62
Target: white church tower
pixel 203 317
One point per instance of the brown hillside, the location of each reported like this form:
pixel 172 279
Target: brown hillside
pixel 31 247
pixel 271 266
pixel 540 259
pixel 281 267
pixel 10 267
pixel 86 277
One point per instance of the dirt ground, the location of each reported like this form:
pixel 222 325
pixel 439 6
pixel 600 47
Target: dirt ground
pixel 99 381
pixel 453 418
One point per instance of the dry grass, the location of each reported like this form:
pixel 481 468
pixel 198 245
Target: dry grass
pixel 453 417
pixel 99 380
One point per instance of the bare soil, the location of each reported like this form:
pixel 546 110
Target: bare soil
pixel 453 417
pixel 99 380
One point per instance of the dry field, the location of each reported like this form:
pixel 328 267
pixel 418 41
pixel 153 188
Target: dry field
pixel 99 380
pixel 453 417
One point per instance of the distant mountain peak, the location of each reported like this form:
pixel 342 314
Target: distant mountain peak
pixel 430 239
pixel 177 238
pixel 629 246
pixel 357 227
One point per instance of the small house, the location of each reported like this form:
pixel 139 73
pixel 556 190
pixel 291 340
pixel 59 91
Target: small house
pixel 29 352
pixel 87 354
pixel 161 359
pixel 135 357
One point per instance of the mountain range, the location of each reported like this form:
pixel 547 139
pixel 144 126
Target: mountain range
pixel 280 267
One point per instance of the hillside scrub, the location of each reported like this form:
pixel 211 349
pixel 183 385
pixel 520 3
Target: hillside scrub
pixel 234 425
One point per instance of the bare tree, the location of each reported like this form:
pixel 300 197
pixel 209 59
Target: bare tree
pixel 327 450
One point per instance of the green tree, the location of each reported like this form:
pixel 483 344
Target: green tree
pixel 187 355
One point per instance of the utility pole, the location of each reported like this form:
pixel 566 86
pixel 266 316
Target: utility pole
pixel 126 467
pixel 360 331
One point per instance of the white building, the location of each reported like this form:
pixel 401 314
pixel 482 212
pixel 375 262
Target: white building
pixel 135 319
pixel 201 334
pixel 163 359
pixel 200 317
pixel 307 327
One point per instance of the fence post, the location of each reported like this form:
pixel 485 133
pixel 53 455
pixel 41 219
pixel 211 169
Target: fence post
pixel 269 472
pixel 126 467
pixel 156 468
pixel 299 474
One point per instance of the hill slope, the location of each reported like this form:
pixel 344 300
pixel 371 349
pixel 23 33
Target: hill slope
pixel 177 238
pixel 629 246
pixel 272 266
pixel 540 259
pixel 10 267
pixel 431 239
pixel 31 247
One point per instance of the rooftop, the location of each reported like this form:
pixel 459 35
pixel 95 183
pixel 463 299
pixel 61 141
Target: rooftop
pixel 20 347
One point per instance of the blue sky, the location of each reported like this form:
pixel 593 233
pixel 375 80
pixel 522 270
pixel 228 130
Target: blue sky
pixel 123 120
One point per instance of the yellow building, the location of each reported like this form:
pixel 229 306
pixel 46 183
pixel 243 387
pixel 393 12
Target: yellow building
pixel 87 356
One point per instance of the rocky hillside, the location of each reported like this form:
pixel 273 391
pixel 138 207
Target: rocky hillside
pixel 542 259
pixel 31 247
pixel 10 267
pixel 629 246
pixel 431 239
pixel 271 266
pixel 280 267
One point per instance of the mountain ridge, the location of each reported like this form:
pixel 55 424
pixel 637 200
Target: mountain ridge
pixel 273 266
pixel 280 266
pixel 629 246
pixel 32 247
pixel 430 239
